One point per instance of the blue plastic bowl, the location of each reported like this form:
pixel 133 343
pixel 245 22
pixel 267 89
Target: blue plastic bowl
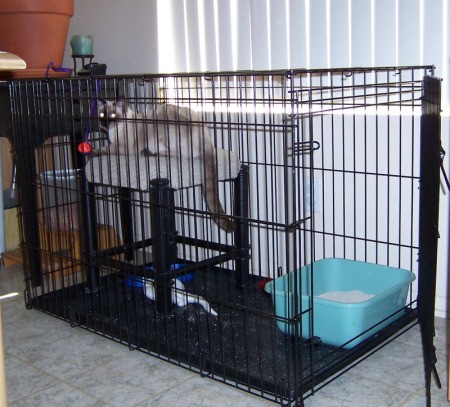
pixel 176 266
pixel 135 281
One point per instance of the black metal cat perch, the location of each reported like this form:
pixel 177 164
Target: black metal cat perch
pixel 304 159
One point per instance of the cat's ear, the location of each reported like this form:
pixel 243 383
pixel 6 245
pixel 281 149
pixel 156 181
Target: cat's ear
pixel 121 104
pixel 101 102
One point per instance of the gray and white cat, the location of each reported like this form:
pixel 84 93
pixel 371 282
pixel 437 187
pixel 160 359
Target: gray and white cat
pixel 166 130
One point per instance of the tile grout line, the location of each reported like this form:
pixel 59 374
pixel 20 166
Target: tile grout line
pixel 57 380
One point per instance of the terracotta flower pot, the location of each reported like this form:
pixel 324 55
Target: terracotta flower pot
pixel 35 30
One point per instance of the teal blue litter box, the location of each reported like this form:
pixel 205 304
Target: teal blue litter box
pixel 349 298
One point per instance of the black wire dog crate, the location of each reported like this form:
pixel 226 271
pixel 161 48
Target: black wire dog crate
pixel 260 228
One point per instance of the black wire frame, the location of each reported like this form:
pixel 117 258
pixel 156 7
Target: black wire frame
pixel 309 96
pixel 430 162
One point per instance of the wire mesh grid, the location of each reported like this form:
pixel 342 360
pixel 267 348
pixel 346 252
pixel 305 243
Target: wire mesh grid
pixel 188 215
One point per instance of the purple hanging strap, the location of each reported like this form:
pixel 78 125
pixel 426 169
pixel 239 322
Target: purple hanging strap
pixel 51 66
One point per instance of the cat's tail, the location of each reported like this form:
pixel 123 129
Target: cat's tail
pixel 211 190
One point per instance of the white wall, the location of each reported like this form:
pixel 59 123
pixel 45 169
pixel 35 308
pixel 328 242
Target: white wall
pixel 262 34
pixel 124 34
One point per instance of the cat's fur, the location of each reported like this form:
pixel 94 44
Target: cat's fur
pixel 166 130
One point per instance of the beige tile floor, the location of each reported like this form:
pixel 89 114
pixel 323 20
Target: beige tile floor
pixel 48 363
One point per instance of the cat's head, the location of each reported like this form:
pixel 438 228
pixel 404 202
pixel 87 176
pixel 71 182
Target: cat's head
pixel 110 111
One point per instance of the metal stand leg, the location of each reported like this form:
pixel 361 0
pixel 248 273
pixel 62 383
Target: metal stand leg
pixel 89 230
pixel 241 234
pixel 164 249
pixel 88 215
pixel 126 220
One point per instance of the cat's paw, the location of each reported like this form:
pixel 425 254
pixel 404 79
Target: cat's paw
pixel 147 153
pixel 94 153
